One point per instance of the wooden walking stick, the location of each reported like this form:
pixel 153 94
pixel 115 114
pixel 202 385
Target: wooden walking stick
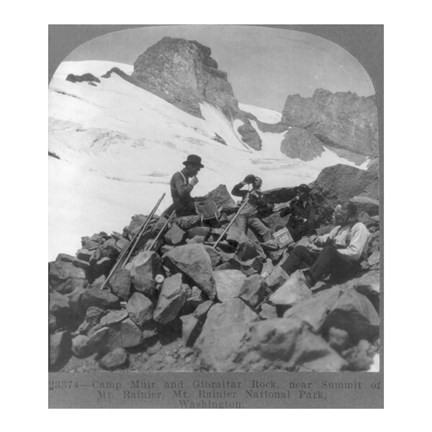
pixel 232 221
pixel 161 230
pixel 132 244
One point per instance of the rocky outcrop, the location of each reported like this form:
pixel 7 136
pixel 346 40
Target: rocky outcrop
pixel 341 120
pixel 193 307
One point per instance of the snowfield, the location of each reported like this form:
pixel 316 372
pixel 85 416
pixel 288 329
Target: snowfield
pixel 119 146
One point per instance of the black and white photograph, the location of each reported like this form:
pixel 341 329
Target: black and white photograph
pixel 215 205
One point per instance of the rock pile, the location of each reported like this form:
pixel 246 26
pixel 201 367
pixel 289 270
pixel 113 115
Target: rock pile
pixel 185 306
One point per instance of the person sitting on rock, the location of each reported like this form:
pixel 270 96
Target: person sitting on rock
pixel 248 217
pixel 337 253
pixel 304 213
pixel 181 187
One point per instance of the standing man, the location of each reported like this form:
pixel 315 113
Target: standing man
pixel 181 186
pixel 249 215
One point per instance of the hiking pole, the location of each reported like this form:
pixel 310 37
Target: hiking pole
pixel 232 221
pixel 142 230
pixel 133 242
pixel 161 230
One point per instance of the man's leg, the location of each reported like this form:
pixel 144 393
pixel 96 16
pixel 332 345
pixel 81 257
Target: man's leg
pixel 240 223
pixel 299 258
pixel 328 261
pixel 257 225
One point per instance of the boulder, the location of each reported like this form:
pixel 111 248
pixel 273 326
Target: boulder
pixel 253 290
pixel 195 263
pixel 81 346
pixel 52 323
pixel 369 286
pixel 171 299
pixel 268 312
pixel 100 298
pixel 279 195
pixel 228 283
pixel 140 309
pixel 196 240
pixel 143 270
pixel 354 313
pixel 114 359
pixel 192 324
pixel 214 255
pixel 225 326
pixel 188 222
pixel 293 291
pixel 64 277
pixel 200 231
pixel 373 260
pixel 221 197
pixel 276 278
pixel 299 143
pixel 175 235
pixel 59 349
pixel 126 334
pixel 101 266
pixel 114 317
pixel 58 304
pixel 314 310
pixel 65 258
pixel 369 205
pixel 249 135
pixel 121 283
pixel 92 318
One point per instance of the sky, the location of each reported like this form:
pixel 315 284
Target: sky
pixel 264 65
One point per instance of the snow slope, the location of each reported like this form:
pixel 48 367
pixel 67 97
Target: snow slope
pixel 119 146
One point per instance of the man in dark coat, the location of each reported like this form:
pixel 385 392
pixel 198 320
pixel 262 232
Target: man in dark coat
pixel 182 184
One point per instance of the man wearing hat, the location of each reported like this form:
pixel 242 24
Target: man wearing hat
pixel 248 218
pixel 182 183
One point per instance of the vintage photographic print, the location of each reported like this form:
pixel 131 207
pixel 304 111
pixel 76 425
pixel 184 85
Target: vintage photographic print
pixel 215 217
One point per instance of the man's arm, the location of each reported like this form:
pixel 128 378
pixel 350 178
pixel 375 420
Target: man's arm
pixel 181 187
pixel 326 238
pixel 359 239
pixel 236 191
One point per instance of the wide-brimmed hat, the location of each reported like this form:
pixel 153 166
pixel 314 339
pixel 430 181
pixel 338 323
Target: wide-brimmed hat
pixel 193 160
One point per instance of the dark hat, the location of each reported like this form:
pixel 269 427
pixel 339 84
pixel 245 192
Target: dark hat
pixel 193 160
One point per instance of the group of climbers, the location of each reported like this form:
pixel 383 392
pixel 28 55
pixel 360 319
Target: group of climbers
pixel 337 253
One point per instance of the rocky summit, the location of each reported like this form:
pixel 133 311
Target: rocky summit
pixel 186 306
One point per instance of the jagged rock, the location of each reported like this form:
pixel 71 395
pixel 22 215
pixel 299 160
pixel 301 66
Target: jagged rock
pixel 224 328
pixel 114 317
pixel 354 313
pixel 315 310
pixel 196 240
pixel 98 283
pixel 299 143
pixel 342 120
pixel 249 267
pixel 201 231
pixel 183 73
pixel 214 255
pixel 339 183
pixel 81 346
pixel 237 236
pixel 268 312
pixel 221 197
pixel 194 297
pixel 84 254
pixel 92 317
pixel 59 348
pixel 121 283
pixel 284 344
pixel 369 286
pixel 140 309
pixel 367 204
pixel 192 324
pixel 143 269
pixel 195 263
pixel 253 290
pixel 58 304
pixel 228 284
pixel 373 261
pixel 293 291
pixel 249 135
pixel 174 235
pixel 276 278
pixel 126 334
pixel 100 267
pixel 99 298
pixel 279 195
pixel 65 258
pixel 171 299
pixel 338 339
pixel 187 222
pixel 64 277
pixel 87 77
pixel 52 323
pixel 114 359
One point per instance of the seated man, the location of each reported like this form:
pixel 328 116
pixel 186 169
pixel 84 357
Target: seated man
pixel 181 187
pixel 342 249
pixel 248 218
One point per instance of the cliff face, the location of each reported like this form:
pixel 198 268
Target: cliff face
pixel 340 120
pixel 184 73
